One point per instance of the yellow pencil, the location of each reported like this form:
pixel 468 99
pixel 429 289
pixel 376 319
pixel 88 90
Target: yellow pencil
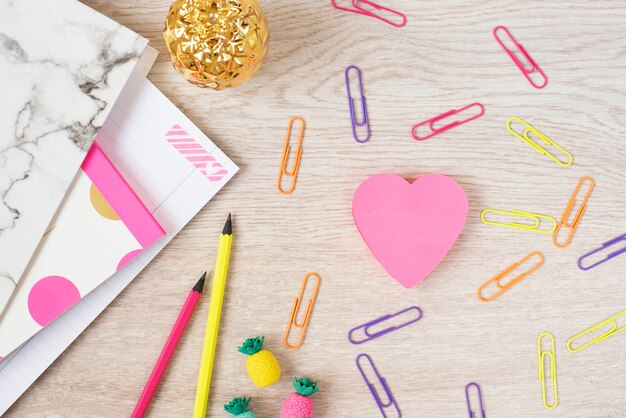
pixel 213 321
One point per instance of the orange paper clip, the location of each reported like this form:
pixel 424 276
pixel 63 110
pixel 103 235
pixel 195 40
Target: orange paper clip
pixel 568 210
pixel 504 287
pixel 293 320
pixel 447 115
pixel 519 49
pixel 283 167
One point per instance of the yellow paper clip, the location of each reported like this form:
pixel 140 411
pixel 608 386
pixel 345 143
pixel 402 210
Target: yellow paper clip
pixel 283 167
pixel 533 225
pixel 568 210
pixel 526 137
pixel 541 355
pixel 293 320
pixel 609 333
pixel 504 287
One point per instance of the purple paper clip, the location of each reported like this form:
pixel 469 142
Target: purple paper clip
pixel 436 131
pixel 356 123
pixel 603 247
pixel 470 410
pixel 382 406
pixel 371 336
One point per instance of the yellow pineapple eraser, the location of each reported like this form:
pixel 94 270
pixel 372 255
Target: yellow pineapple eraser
pixel 263 368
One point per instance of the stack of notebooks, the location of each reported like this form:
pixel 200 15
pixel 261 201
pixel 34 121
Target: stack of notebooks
pixel 98 172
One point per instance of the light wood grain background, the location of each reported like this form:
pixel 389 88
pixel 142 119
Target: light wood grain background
pixel 444 58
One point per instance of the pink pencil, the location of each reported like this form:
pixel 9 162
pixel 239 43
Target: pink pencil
pixel 168 350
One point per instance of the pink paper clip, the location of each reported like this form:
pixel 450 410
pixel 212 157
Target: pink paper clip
pixel 358 9
pixel 358 4
pixel 436 131
pixel 346 9
pixel 534 68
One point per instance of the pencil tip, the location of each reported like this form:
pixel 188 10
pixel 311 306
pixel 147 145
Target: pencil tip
pixel 200 284
pixel 228 228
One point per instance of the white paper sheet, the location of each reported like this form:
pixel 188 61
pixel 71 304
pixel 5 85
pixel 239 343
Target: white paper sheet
pixel 174 168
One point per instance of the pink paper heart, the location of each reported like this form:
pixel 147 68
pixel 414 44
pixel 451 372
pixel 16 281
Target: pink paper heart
pixel 409 227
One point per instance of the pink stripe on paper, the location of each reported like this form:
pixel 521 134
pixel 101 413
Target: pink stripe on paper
pixel 195 154
pixel 199 158
pixel 220 172
pixel 193 151
pixel 170 140
pixel 121 197
pixel 187 146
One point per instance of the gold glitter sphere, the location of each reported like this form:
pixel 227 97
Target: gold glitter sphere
pixel 216 43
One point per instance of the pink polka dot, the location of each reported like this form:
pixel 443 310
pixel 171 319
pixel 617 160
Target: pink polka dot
pixel 128 258
pixel 50 297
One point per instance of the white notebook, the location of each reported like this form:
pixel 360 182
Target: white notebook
pixel 175 170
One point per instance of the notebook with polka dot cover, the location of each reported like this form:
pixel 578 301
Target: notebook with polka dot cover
pixel 100 227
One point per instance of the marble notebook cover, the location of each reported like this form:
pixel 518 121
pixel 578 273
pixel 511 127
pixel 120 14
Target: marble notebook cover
pixel 62 66
pixel 100 227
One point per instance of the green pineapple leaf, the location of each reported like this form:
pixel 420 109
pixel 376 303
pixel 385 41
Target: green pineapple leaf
pixel 251 346
pixel 305 386
pixel 237 406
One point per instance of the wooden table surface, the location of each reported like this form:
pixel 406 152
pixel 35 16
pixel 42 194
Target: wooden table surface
pixel 444 58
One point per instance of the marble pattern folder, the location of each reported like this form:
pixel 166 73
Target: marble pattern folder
pixel 62 66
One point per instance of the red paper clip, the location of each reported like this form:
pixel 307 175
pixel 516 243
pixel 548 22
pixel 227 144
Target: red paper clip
pixel 534 68
pixel 359 9
pixel 435 131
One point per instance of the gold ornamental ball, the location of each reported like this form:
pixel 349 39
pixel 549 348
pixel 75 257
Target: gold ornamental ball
pixel 216 43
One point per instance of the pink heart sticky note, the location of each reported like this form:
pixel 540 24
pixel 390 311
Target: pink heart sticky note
pixel 409 227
